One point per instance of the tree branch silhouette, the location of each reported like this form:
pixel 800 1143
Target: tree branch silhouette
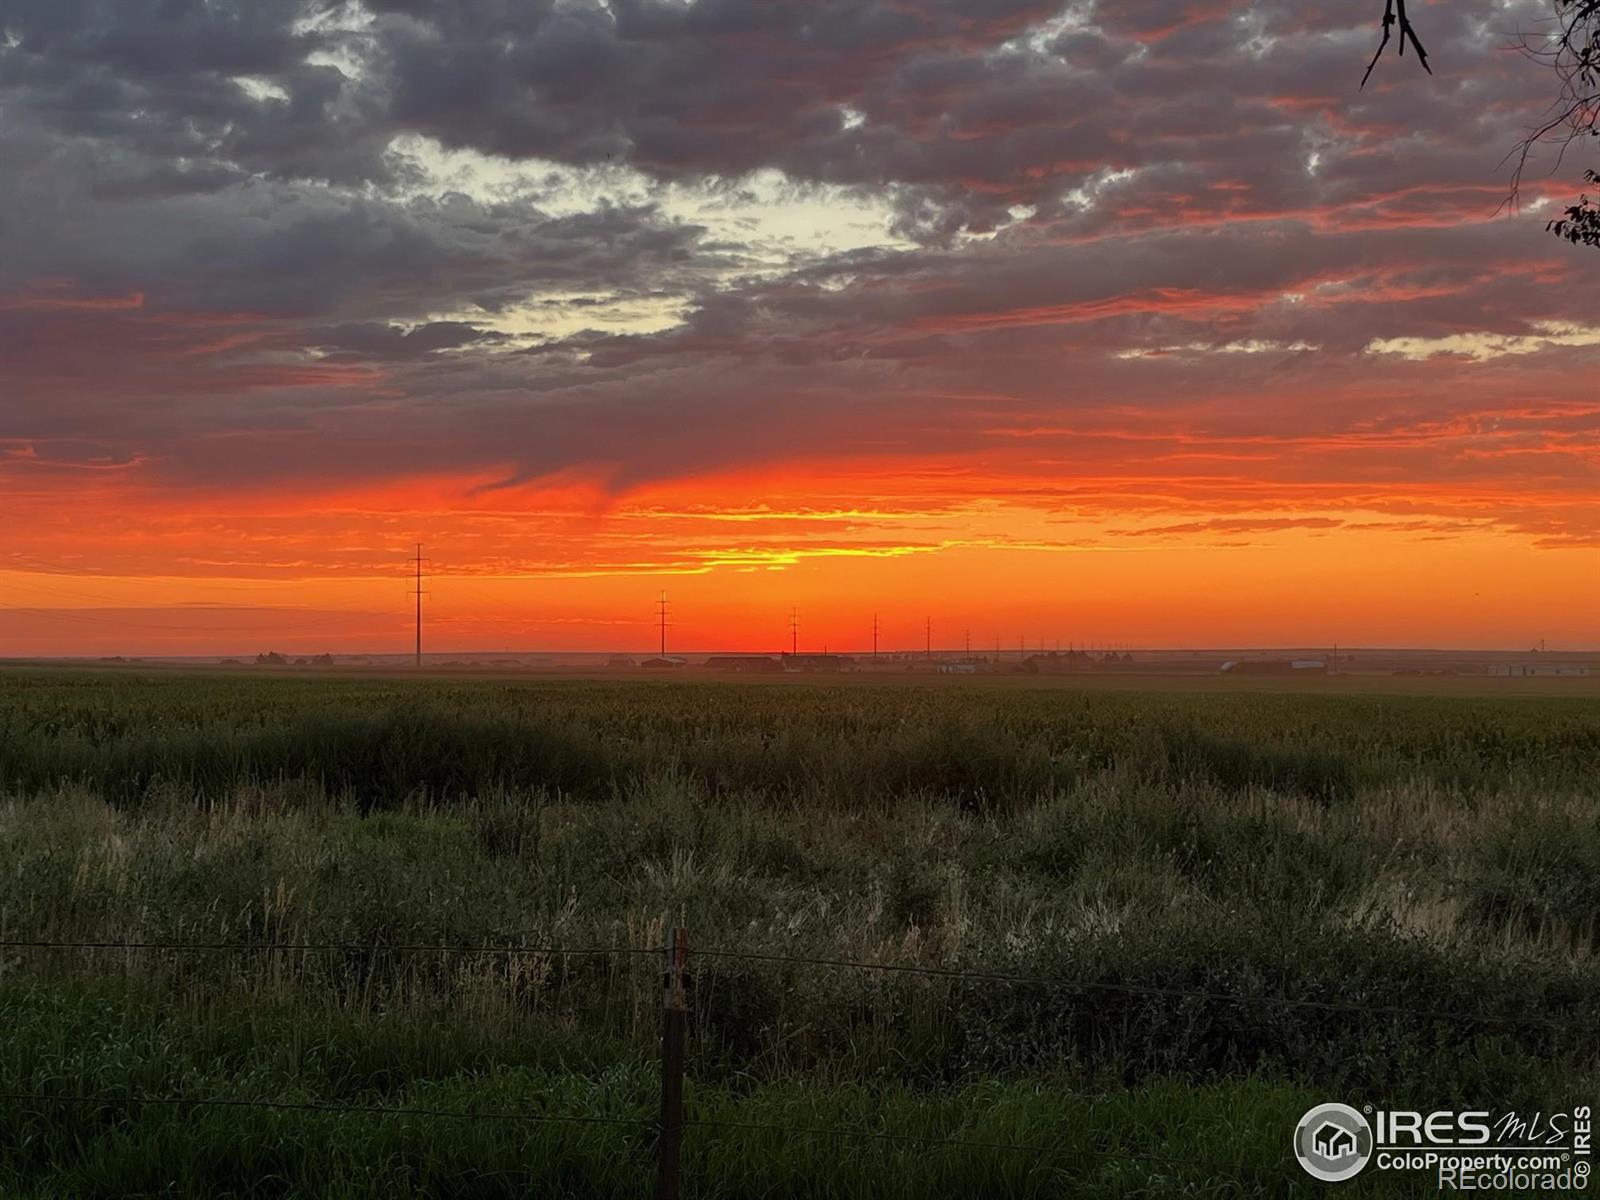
pixel 1394 12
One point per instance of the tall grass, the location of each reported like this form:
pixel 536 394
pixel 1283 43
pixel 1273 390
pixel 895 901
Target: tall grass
pixel 1167 872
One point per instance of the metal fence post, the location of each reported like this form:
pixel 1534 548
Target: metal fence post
pixel 674 1032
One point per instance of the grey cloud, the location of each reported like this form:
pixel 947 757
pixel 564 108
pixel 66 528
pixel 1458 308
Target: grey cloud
pixel 140 166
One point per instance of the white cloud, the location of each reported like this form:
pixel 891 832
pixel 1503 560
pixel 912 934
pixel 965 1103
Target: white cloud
pixel 1481 347
pixel 1244 346
pixel 260 90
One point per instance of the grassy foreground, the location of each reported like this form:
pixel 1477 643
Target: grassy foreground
pixel 1167 872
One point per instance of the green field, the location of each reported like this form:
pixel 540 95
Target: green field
pixel 1180 918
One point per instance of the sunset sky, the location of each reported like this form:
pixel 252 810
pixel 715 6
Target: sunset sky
pixel 1128 322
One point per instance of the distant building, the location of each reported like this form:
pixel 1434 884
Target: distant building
pixel 831 663
pixel 621 661
pixel 1544 670
pixel 667 663
pixel 1276 666
pixel 744 663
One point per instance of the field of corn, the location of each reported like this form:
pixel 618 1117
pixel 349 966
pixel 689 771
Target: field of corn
pixel 1174 921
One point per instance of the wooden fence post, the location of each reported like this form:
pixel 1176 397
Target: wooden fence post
pixel 674 1033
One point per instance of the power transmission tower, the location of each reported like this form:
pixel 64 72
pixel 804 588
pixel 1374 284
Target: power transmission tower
pixel 419 593
pixel 661 618
pixel 969 643
pixel 794 632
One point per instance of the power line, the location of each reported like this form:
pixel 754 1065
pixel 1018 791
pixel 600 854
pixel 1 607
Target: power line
pixel 88 616
pixel 73 594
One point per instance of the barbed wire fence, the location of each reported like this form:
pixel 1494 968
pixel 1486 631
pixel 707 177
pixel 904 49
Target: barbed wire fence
pixel 665 1128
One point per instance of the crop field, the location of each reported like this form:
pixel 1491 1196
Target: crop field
pixel 290 936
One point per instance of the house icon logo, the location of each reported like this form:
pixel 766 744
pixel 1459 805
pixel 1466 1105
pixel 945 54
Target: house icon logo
pixel 1333 1142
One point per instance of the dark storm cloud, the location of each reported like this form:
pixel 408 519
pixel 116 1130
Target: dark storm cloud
pixel 160 77
pixel 212 196
pixel 271 247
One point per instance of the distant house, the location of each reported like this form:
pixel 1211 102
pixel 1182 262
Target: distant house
pixel 744 663
pixel 1276 666
pixel 666 663
pixel 621 661
pixel 1540 670
pixel 818 662
pixel 1334 1141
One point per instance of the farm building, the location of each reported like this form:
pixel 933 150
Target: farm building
pixel 1540 670
pixel 1276 666
pixel 744 663
pixel 818 662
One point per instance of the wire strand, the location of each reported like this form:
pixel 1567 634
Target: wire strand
pixel 1131 989
pixel 1135 989
pixel 323 947
pixel 312 1106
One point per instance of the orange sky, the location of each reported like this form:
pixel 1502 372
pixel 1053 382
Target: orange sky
pixel 571 568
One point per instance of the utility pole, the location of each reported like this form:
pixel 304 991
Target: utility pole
pixel 874 635
pixel 661 616
pixel 417 591
pixel 927 629
pixel 969 643
pixel 794 632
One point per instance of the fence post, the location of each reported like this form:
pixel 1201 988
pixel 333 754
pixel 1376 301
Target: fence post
pixel 674 1031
